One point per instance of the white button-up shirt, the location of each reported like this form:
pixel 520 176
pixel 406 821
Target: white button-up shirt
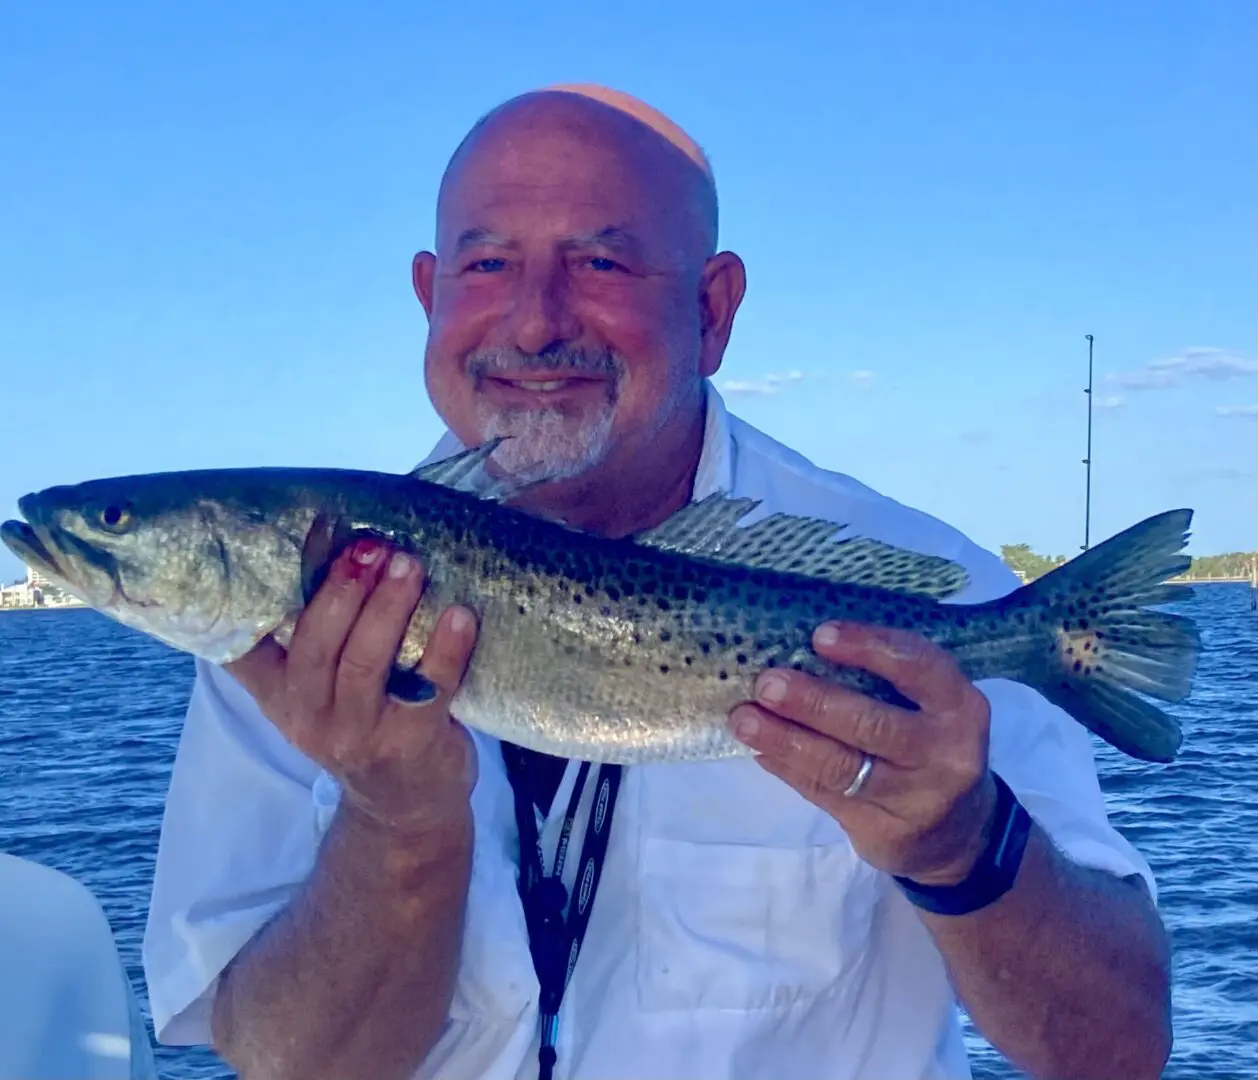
pixel 735 932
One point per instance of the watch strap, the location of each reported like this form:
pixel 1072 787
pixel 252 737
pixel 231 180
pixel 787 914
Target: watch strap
pixel 993 873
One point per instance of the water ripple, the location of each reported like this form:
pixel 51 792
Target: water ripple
pixel 90 716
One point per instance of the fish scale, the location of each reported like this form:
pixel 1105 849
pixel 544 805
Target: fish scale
pixel 622 650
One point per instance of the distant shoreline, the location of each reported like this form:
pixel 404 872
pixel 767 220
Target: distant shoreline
pixel 45 607
pixel 88 607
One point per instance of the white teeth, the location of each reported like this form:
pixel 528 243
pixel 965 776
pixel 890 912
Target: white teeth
pixel 532 384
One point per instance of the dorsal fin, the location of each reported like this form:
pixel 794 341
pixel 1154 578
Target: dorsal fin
pixel 800 545
pixel 465 471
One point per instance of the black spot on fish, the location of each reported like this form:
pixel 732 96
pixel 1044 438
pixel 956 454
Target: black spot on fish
pixel 663 604
pixel 666 635
pixel 523 611
pixel 577 598
pixel 663 669
pixel 720 639
pixel 722 674
pixel 613 594
pixel 738 639
pixel 741 658
pixel 797 666
pixel 1078 665
pixel 1083 624
pixel 705 647
pixel 689 660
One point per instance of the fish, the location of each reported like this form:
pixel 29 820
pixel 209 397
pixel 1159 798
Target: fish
pixel 612 649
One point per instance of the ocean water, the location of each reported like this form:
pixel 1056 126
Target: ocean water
pixel 90 715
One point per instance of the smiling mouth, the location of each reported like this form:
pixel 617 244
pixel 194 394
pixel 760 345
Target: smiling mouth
pixel 543 386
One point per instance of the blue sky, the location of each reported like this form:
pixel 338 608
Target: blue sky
pixel 207 215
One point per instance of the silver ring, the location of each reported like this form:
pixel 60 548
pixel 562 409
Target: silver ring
pixel 862 774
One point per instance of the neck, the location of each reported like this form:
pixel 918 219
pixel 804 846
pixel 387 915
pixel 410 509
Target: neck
pixel 635 489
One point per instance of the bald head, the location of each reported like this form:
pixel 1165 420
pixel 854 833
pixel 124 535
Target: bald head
pixel 629 135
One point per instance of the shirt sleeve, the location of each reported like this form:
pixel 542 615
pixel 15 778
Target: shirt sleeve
pixel 239 834
pixel 1047 757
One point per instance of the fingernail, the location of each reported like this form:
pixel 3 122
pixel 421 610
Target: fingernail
pixel 771 688
pixel 400 565
pixel 366 552
pixel 827 634
pixel 746 723
pixel 460 621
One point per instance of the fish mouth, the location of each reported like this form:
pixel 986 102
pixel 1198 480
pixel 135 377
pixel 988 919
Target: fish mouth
pixel 59 554
pixel 26 544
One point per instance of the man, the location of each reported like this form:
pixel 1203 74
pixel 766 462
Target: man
pixel 336 891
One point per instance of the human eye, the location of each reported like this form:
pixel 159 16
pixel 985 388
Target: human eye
pixel 488 265
pixel 604 265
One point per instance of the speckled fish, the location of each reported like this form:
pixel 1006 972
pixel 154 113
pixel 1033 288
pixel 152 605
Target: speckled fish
pixel 622 650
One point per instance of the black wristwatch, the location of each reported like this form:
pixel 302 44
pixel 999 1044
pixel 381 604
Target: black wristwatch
pixel 995 871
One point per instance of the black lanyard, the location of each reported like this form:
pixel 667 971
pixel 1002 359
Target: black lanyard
pixel 555 934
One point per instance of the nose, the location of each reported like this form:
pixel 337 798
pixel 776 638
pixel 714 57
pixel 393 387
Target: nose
pixel 541 314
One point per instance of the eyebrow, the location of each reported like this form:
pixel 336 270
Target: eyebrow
pixel 470 238
pixel 612 237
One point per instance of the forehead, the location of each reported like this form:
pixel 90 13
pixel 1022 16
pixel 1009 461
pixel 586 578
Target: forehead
pixel 557 174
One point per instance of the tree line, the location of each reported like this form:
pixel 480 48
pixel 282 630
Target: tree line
pixel 1020 558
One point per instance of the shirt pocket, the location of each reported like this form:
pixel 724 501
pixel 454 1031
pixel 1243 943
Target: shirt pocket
pixel 754 919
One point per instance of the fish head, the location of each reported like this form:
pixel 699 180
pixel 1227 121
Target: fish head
pixel 184 557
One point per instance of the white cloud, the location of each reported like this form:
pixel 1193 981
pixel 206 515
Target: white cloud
pixel 775 382
pixel 764 387
pixel 1112 401
pixel 1248 411
pixel 1195 362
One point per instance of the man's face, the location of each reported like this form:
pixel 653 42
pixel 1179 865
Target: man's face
pixel 564 300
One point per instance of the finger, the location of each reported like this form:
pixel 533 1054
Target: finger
pixel 449 650
pixel 843 715
pixel 825 767
pixel 322 628
pixel 261 670
pixel 373 643
pixel 917 667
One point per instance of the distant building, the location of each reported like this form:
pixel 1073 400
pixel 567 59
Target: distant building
pixel 38 590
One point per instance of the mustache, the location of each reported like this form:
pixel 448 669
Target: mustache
pixel 572 359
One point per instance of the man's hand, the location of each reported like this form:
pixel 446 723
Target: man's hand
pixel 403 766
pixel 925 807
pixel 355 976
pixel 1077 943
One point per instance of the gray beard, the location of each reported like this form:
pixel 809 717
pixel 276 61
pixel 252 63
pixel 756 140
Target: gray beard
pixel 549 442
pixel 553 442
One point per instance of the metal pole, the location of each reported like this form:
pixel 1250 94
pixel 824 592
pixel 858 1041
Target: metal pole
pixel 1087 498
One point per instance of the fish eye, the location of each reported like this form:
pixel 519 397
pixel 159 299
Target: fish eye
pixel 116 517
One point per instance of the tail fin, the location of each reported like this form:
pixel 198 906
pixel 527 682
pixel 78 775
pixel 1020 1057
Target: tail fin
pixel 1106 645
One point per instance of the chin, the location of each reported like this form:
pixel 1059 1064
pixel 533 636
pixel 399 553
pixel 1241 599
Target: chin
pixel 547 444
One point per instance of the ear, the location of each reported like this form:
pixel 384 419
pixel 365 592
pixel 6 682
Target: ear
pixel 721 287
pixel 423 273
